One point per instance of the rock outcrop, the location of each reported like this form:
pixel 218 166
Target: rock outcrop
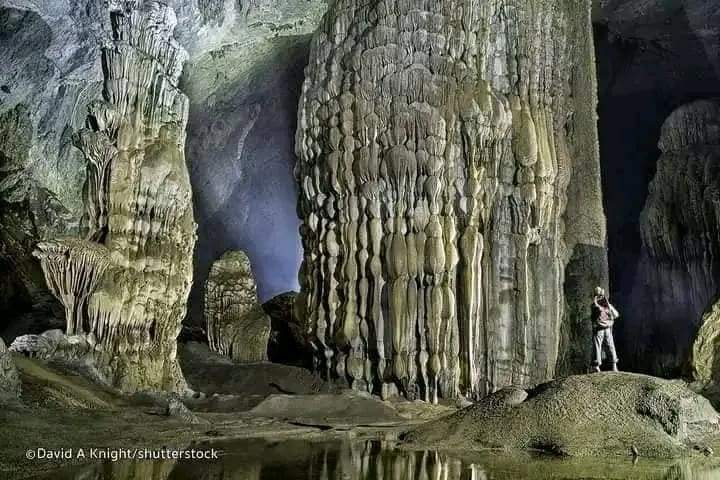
pixel 237 325
pixel 677 279
pixel 584 415
pixel 450 193
pixel 289 340
pixel 10 386
pixel 125 285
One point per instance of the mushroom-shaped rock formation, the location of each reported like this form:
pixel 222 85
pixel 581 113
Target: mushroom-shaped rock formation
pixel 677 278
pixel 237 325
pixel 10 386
pixel 73 268
pixel 450 193
pixel 598 414
pixel 138 208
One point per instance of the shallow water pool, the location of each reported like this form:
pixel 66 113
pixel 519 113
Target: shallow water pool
pixel 379 460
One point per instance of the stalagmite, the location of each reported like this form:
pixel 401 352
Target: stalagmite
pixel 10 386
pixel 125 287
pixel 677 279
pixel 437 142
pixel 237 325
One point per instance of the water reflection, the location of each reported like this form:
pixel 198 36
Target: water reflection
pixel 375 460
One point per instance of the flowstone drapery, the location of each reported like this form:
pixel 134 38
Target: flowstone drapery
pixel 437 144
pixel 237 325
pixel 125 286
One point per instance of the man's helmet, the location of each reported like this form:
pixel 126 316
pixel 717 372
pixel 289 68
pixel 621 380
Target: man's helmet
pixel 599 291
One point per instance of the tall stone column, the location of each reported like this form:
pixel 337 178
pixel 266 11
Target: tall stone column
pixel 125 285
pixel 437 140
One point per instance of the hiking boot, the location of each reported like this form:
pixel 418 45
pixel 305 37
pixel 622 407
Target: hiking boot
pixel 615 368
pixel 595 370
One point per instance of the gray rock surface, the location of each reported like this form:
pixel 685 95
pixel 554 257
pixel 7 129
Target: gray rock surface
pixel 338 411
pixel 602 414
pixel 677 278
pixel 654 56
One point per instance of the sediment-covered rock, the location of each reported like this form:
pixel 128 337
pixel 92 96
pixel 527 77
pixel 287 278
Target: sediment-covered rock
pixel 10 386
pixel 237 325
pixel 125 285
pixel 677 279
pixel 598 414
pixel 450 193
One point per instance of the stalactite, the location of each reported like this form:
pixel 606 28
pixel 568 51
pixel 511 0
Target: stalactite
pixel 431 199
pixel 138 208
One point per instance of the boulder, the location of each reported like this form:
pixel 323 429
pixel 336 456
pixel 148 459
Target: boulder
pixel 599 414
pixel 289 342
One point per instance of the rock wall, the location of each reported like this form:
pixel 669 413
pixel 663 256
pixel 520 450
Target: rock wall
pixel 653 57
pixel 242 77
pixel 677 279
pixel 125 285
pixel 441 148
pixel 237 325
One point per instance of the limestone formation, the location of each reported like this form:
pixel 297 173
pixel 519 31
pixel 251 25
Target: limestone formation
pixel 125 286
pixel 449 173
pixel 289 340
pixel 9 380
pixel 583 415
pixel 237 325
pixel 677 279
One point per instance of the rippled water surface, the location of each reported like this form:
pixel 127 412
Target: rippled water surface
pixel 375 460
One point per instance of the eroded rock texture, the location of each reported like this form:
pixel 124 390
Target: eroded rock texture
pixel 600 414
pixel 677 279
pixel 9 380
pixel 243 79
pixel 125 285
pixel 237 325
pixel 439 144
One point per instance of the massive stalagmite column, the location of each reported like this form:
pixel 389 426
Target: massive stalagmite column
pixel 237 325
pixel 678 278
pixel 125 286
pixel 437 140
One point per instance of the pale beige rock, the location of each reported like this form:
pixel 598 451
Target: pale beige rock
pixel 237 325
pixel 125 287
pixel 437 145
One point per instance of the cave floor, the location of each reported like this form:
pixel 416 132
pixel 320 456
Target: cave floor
pixel 289 435
pixel 60 410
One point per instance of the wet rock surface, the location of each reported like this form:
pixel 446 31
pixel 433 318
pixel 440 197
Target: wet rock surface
pixel 602 414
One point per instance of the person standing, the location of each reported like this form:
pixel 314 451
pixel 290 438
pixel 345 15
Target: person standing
pixel 603 318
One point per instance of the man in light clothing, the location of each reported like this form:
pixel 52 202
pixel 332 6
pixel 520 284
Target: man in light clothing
pixel 603 318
